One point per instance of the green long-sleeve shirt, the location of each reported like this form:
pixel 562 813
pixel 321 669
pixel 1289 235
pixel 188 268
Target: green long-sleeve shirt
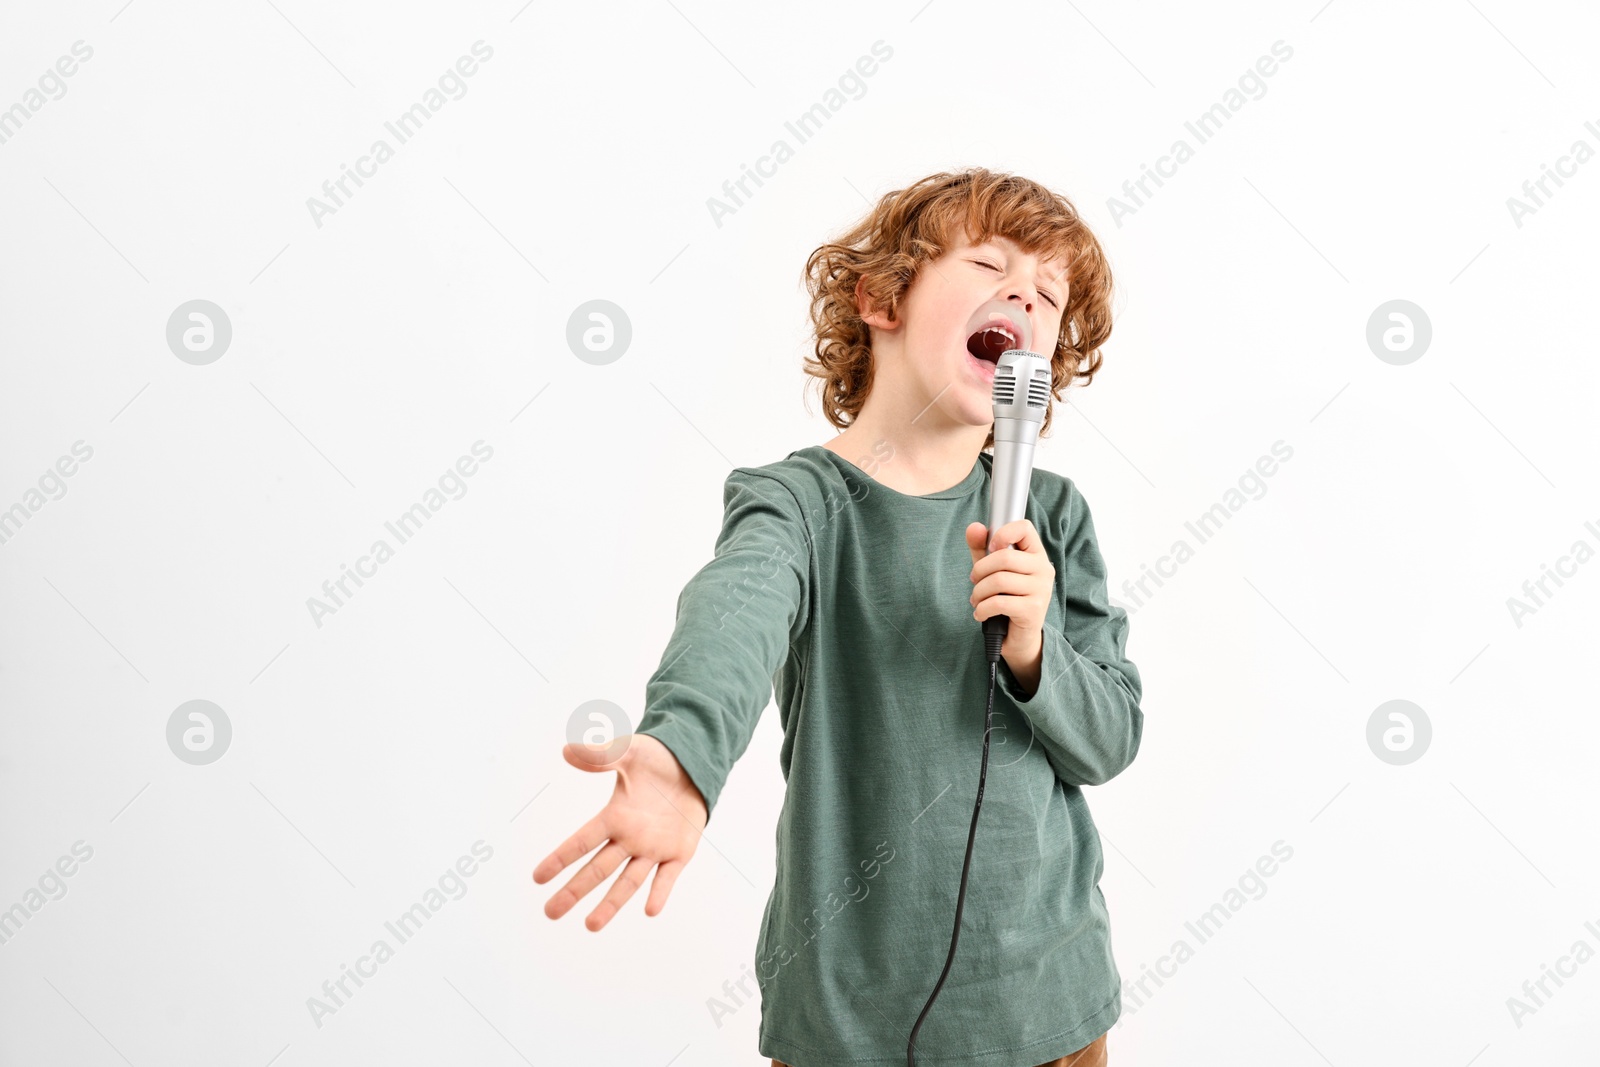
pixel 851 599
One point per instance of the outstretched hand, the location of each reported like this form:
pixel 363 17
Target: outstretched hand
pixel 653 819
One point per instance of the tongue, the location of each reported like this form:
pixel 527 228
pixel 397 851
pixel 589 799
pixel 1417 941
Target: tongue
pixel 988 344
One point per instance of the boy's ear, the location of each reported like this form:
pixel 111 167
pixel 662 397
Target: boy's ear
pixel 869 311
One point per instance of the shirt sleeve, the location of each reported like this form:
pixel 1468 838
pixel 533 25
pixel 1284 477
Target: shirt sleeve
pixel 1085 712
pixel 735 620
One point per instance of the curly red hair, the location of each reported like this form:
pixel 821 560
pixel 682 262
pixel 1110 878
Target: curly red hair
pixel 912 226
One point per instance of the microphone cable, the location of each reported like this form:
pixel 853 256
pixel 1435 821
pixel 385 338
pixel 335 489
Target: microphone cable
pixel 992 642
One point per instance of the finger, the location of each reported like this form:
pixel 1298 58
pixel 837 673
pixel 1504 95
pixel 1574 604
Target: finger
pixel 1013 605
pixel 1010 559
pixel 666 874
pixel 573 849
pixel 1009 606
pixel 976 534
pixel 627 883
pixel 1021 534
pixel 593 873
pixel 597 757
pixel 1003 582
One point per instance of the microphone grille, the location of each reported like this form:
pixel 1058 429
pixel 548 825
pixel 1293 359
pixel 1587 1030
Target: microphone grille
pixel 1039 389
pixel 1005 386
pixel 1037 393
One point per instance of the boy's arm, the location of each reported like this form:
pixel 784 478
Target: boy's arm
pixel 1085 711
pixel 735 618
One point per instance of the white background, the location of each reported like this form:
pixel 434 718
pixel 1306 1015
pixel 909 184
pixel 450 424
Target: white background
pixel 430 311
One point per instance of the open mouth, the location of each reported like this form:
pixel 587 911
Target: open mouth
pixel 993 341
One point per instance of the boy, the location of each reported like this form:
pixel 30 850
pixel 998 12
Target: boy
pixel 858 588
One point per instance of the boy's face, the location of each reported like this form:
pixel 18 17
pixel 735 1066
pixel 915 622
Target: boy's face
pixel 927 349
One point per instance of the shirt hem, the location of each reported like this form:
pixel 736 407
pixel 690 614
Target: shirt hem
pixel 1043 1050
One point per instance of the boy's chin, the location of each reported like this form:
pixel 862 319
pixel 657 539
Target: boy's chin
pixel 977 410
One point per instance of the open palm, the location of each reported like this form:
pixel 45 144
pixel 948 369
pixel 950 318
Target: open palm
pixel 653 819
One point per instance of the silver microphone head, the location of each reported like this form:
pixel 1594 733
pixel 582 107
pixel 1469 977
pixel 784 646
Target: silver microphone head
pixel 1021 388
pixel 1021 397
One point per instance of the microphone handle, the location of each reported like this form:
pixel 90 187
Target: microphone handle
pixel 996 627
pixel 1010 475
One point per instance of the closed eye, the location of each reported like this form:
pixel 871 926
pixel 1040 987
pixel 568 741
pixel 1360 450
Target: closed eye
pixel 991 266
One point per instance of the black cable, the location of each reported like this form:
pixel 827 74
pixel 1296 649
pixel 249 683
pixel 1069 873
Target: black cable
pixel 992 642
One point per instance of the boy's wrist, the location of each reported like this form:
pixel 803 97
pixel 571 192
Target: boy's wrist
pixel 1024 663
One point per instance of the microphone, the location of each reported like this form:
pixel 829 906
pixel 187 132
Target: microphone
pixel 1021 397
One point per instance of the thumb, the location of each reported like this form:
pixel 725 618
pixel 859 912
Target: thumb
pixel 977 540
pixel 598 757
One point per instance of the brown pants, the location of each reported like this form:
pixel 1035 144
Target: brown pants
pixel 1091 1055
